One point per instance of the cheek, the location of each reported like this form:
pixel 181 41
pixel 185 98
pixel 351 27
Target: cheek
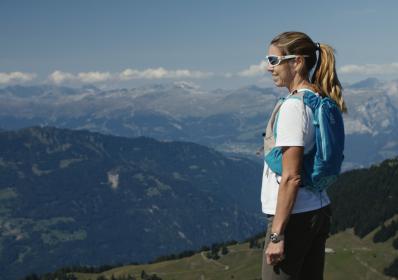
pixel 282 77
pixel 286 74
pixel 281 74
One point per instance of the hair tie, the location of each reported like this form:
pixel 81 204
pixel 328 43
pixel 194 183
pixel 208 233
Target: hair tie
pixel 317 46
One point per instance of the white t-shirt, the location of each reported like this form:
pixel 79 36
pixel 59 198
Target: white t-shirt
pixel 295 128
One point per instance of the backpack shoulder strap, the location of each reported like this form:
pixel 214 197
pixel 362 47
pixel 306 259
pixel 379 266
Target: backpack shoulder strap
pixel 269 139
pixel 311 100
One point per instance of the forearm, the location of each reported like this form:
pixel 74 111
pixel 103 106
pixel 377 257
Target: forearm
pixel 287 194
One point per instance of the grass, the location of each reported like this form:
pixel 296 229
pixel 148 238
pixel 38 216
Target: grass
pixel 354 258
pixel 239 263
pixel 359 258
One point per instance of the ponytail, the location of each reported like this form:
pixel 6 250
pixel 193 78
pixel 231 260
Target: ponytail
pixel 325 76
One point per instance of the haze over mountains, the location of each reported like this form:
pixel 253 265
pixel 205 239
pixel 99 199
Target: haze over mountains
pixel 231 121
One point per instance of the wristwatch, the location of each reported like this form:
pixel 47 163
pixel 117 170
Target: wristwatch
pixel 275 237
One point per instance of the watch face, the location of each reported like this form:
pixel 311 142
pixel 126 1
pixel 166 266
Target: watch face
pixel 275 238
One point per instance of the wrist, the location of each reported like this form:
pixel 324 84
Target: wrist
pixel 276 237
pixel 277 229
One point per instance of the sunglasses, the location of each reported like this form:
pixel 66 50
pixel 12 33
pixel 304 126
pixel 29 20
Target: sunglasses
pixel 275 60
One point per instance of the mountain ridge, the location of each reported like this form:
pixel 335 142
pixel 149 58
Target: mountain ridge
pixel 230 121
pixel 363 244
pixel 68 192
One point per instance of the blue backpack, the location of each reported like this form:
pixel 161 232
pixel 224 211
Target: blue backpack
pixel 322 164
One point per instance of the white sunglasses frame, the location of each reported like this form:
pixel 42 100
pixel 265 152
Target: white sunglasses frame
pixel 282 58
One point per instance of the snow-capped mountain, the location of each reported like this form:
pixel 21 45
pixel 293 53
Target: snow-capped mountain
pixel 229 120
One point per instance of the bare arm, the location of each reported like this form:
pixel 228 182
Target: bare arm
pixel 291 180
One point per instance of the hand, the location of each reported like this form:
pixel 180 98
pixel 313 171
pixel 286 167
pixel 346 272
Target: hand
pixel 275 252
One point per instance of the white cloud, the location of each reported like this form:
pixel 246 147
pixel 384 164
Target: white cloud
pixel 150 73
pixel 370 69
pixel 193 74
pixel 16 77
pixel 266 80
pixel 254 70
pixel 161 73
pixel 228 75
pixel 59 77
pixel 94 77
pixel 129 74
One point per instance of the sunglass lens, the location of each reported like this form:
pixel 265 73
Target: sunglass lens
pixel 273 60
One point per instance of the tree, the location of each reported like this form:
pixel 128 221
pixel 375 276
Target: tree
pixel 395 243
pixel 144 275
pixel 131 277
pixel 154 277
pixel 392 270
pixel 32 277
pixel 224 250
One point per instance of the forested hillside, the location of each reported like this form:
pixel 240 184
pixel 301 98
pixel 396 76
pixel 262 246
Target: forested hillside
pixel 364 199
pixel 76 197
pixel 364 241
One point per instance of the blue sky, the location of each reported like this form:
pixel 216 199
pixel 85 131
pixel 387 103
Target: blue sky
pixel 212 43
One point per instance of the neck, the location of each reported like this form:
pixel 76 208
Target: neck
pixel 299 83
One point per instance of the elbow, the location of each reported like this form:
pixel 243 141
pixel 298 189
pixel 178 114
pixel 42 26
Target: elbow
pixel 293 180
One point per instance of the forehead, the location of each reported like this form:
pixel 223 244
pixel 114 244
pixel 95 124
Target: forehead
pixel 273 50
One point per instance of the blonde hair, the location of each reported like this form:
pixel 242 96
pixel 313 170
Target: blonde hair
pixel 324 77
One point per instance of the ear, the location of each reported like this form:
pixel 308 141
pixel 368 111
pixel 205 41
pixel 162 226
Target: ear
pixel 298 64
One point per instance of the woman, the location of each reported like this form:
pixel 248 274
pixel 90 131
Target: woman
pixel 298 219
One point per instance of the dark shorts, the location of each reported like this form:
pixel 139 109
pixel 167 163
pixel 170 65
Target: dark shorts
pixel 305 238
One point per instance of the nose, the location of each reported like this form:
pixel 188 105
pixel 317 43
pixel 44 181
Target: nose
pixel 270 68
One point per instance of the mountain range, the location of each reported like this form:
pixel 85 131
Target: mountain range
pixel 363 242
pixel 231 121
pixel 77 197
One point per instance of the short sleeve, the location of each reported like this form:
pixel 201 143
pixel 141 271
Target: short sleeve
pixel 291 122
